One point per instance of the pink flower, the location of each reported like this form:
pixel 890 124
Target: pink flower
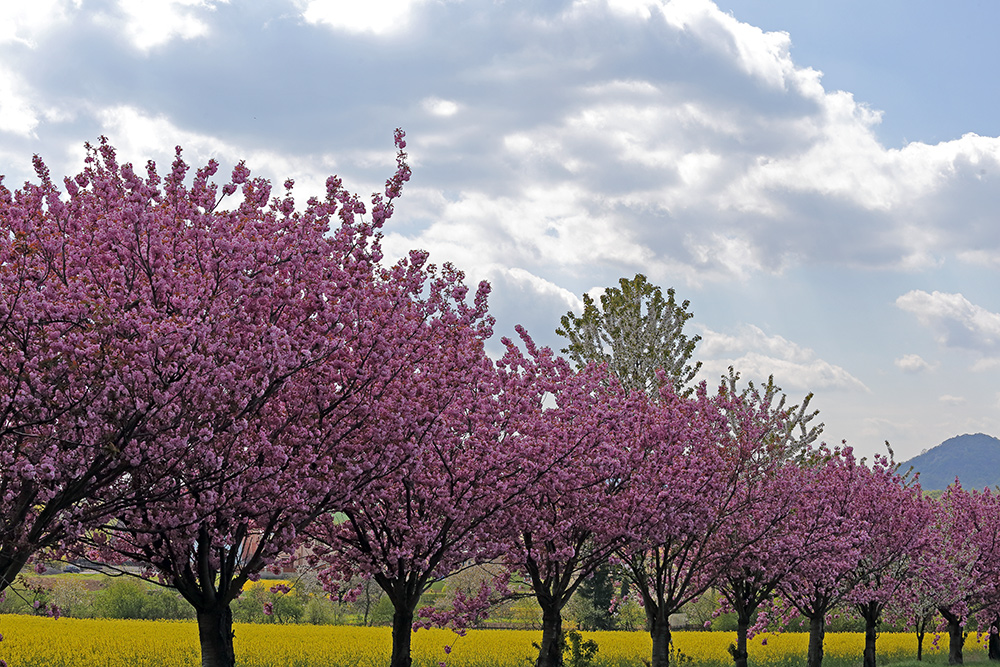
pixel 447 649
pixel 268 609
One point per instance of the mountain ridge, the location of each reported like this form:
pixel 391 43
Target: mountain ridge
pixel 972 457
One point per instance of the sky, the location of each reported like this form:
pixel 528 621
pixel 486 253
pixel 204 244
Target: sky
pixel 819 180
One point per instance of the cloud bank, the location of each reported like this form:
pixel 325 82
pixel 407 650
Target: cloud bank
pixel 955 321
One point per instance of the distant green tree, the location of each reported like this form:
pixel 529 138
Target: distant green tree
pixel 637 332
pixel 598 590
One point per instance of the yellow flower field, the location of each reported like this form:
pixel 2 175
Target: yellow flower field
pixel 67 642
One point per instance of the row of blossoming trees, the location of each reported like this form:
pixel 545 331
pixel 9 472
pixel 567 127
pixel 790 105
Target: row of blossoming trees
pixel 202 388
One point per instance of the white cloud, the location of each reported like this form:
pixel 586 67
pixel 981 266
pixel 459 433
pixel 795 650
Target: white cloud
pixel 22 24
pixel 18 114
pixel 757 355
pixel 439 107
pixel 912 363
pixel 25 22
pixel 138 135
pixel 986 364
pixel 373 16
pixel 152 23
pixel 987 258
pixel 951 400
pixel 546 288
pixel 955 321
pixel 750 337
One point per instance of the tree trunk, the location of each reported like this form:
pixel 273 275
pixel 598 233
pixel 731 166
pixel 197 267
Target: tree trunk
pixel 550 651
pixel 402 633
pixel 993 646
pixel 956 638
pixel 817 632
pixel 870 612
pixel 215 633
pixel 739 650
pixel 10 568
pixel 659 630
pixel 870 637
pixel 920 645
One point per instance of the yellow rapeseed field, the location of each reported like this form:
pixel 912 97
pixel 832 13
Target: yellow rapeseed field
pixel 67 642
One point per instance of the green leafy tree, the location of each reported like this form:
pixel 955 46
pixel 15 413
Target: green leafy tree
pixel 598 590
pixel 637 332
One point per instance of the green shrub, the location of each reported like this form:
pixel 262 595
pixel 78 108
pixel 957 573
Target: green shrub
pixel 167 604
pixel 123 598
pixel 320 611
pixel 383 612
pixel 23 597
pixel 73 598
pixel 285 607
pixel 134 599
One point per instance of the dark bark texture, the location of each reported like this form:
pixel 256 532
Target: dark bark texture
pixel 739 650
pixel 871 612
pixel 817 633
pixel 215 633
pixel 956 637
pixel 402 633
pixel 550 651
pixel 659 630
pixel 993 645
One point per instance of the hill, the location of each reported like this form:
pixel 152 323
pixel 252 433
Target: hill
pixel 973 458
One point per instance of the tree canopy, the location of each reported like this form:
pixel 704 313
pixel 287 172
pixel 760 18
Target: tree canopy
pixel 637 332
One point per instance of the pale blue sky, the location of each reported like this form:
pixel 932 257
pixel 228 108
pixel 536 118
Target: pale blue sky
pixel 805 173
pixel 930 66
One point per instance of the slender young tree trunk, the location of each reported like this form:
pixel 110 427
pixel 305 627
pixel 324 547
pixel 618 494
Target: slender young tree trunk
pixel 659 630
pixel 368 601
pixel 215 633
pixel 402 633
pixel 870 612
pixel 920 645
pixel 817 632
pixel 956 638
pixel 550 651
